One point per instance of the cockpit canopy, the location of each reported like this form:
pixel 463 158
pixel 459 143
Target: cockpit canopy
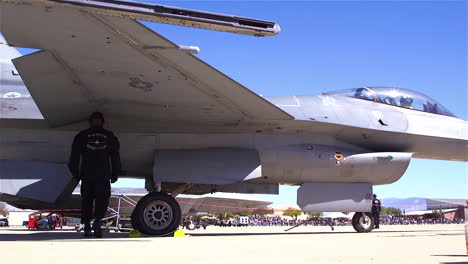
pixel 397 97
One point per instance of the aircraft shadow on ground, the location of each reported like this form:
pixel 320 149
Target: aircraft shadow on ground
pixel 300 233
pixel 64 235
pixel 59 235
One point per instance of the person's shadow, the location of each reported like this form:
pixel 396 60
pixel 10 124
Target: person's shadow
pixel 20 234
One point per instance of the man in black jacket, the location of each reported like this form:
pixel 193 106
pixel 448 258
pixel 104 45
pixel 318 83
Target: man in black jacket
pixel 376 208
pixel 95 160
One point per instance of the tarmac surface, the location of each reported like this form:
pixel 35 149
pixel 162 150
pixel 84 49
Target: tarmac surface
pixel 221 245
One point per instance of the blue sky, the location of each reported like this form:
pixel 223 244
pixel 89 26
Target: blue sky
pixel 327 45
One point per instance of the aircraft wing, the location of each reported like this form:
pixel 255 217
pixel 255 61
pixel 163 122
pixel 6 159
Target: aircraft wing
pixel 107 61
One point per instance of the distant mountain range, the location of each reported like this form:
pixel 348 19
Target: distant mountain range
pixel 421 204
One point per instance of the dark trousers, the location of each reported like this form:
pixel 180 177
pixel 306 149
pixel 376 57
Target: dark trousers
pixel 376 216
pixel 95 196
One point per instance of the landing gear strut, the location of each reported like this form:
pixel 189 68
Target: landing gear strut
pixel 363 222
pixel 156 214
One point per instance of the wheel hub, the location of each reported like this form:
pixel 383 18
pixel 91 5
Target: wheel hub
pixel 365 221
pixel 158 215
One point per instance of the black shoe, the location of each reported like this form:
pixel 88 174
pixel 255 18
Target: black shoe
pixel 87 233
pixel 97 230
pixel 98 233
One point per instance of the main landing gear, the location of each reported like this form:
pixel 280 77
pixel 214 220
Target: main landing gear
pixel 363 222
pixel 156 214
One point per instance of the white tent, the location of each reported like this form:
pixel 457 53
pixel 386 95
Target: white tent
pixel 421 213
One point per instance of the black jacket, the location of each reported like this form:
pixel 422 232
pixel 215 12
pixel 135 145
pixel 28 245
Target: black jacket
pixel 98 151
pixel 376 206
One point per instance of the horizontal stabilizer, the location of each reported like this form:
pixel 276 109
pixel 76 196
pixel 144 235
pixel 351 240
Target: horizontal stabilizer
pixel 20 179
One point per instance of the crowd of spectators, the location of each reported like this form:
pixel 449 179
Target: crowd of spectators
pixel 283 221
pixel 408 220
pixel 318 221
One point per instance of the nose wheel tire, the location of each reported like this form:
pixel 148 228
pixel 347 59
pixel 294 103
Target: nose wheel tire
pixel 156 214
pixel 363 222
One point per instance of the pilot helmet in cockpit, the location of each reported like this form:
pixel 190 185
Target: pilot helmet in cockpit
pixel 390 100
pixel 406 101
